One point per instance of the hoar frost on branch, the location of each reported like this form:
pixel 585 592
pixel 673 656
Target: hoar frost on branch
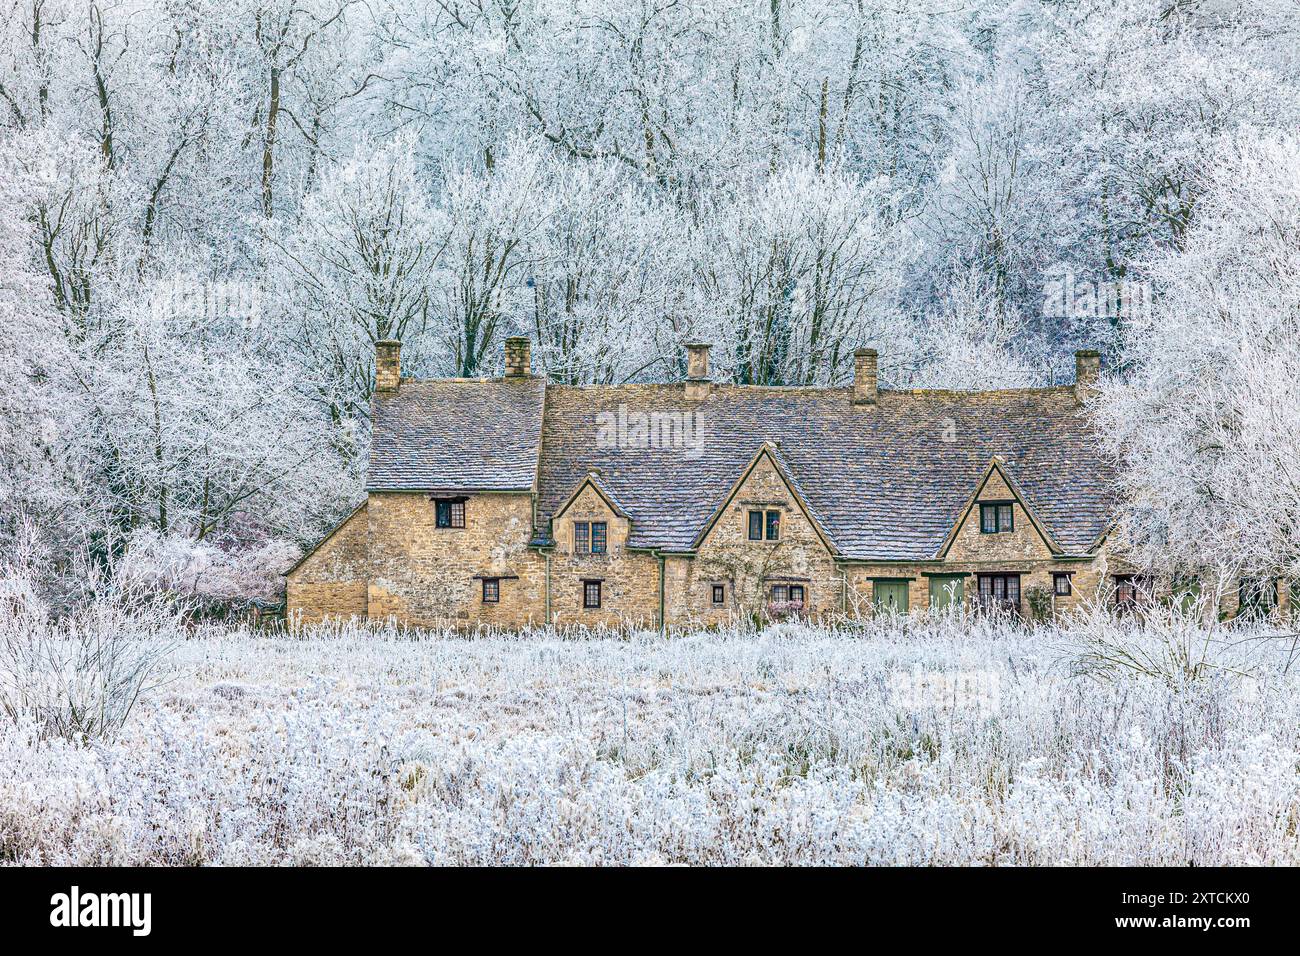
pixel 1206 424
pixel 790 181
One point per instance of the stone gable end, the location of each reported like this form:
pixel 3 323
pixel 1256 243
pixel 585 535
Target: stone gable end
pixel 629 581
pixel 747 569
pixel 1022 544
pixel 330 582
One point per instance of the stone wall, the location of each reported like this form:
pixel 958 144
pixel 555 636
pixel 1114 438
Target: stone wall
pixel 748 569
pixel 424 575
pixel 629 580
pixel 862 579
pixel 330 583
pixel 389 559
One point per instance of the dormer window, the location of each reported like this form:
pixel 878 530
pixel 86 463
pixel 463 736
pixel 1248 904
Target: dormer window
pixel 589 537
pixel 449 512
pixel 764 525
pixel 997 517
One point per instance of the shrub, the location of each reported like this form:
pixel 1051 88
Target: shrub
pixel 78 676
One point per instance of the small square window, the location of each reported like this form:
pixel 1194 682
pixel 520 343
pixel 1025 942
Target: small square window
pixel 756 526
pixel 773 525
pixel 591 594
pixel 780 594
pixel 491 590
pixel 449 514
pixel 598 537
pixel 581 537
pixel 796 594
pixel 1061 585
pixel 719 594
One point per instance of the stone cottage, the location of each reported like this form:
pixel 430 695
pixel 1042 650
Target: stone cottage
pixel 514 501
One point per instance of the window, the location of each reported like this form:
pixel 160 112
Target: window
pixel 1126 592
pixel 491 590
pixel 997 517
pixel 589 537
pixel 449 513
pixel 1000 591
pixel 719 594
pixel 591 594
pixel 1061 585
pixel 780 594
pixel 1257 597
pixel 764 525
pixel 1186 593
pixel 796 594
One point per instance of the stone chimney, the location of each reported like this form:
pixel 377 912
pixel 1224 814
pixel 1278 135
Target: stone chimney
pixel 518 357
pixel 388 365
pixel 697 371
pixel 1087 369
pixel 864 377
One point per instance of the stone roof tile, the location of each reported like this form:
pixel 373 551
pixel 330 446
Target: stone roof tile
pixel 886 481
pixel 457 435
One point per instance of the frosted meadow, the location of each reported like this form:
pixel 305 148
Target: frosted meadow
pixel 951 741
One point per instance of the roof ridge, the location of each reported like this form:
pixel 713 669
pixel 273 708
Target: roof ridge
pixel 742 387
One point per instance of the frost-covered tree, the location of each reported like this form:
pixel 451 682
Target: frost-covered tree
pixel 606 284
pixel 795 272
pixel 973 340
pixel 357 268
pixel 483 290
pixel 1205 423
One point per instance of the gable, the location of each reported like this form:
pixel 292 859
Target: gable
pixel 589 487
pixel 1028 539
pixel 340 553
pixel 588 504
pixel 764 485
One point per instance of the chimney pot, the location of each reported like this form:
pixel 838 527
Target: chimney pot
pixel 1087 370
pixel 388 365
pixel 518 357
pixel 865 390
pixel 697 371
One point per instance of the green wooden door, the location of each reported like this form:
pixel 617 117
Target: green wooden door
pixel 947 590
pixel 1186 594
pixel 890 595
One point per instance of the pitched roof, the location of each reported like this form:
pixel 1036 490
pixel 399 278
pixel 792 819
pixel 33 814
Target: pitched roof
pixel 592 479
pixel 771 451
pixel 885 481
pixel 998 467
pixel 457 435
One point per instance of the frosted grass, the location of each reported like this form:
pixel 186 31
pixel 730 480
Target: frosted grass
pixel 789 746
